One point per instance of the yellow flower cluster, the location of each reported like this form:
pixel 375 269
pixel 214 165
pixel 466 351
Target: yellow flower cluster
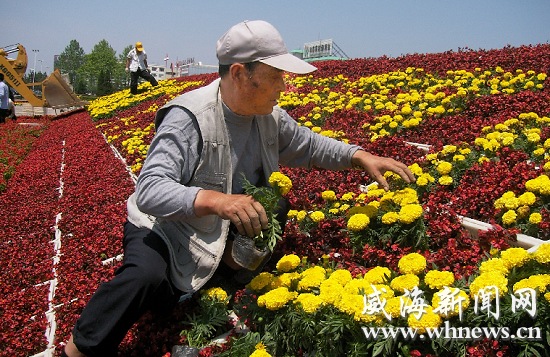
pixel 490 279
pixel 412 263
pixel 276 299
pixel 524 206
pixel 288 262
pixel 523 132
pixel 260 351
pixel 425 93
pixel 105 106
pixel 436 279
pixel 216 294
pixel 358 222
pixel 429 319
pixel 280 180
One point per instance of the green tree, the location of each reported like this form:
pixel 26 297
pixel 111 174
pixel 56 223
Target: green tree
pixel 104 83
pixel 70 61
pixel 123 78
pixel 102 58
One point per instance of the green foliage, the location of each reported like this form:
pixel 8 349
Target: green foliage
pixel 70 60
pixel 207 323
pixel 269 198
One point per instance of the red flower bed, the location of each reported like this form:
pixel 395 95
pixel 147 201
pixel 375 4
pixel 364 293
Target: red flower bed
pixel 72 180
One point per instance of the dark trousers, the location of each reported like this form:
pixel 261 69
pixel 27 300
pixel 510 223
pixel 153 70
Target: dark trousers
pixel 140 284
pixel 4 113
pixel 143 73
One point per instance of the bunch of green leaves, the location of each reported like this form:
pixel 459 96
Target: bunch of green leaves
pixel 207 322
pixel 269 198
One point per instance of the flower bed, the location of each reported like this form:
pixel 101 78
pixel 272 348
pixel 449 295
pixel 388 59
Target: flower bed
pixel 482 116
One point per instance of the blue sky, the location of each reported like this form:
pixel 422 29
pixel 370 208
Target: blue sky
pixel 361 28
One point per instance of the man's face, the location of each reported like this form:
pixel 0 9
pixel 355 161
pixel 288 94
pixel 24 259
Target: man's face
pixel 262 89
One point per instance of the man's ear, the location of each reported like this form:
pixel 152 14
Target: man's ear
pixel 238 72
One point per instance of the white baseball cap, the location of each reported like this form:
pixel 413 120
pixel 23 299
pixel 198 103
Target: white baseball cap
pixel 258 40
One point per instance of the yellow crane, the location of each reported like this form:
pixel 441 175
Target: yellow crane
pixel 56 92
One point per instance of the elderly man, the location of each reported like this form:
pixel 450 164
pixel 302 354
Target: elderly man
pixel 190 191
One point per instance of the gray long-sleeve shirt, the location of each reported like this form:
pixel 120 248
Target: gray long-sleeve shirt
pixel 175 151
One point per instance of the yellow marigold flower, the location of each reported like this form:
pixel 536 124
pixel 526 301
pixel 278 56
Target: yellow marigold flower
pixel 523 211
pixel 405 196
pixel 444 167
pixel 412 263
pixel 342 276
pixel 422 181
pixel 436 279
pixel 410 213
pixel 352 304
pixel 276 298
pixel 514 257
pixel 330 291
pixel 448 149
pixel 390 218
pixel 527 199
pixel 509 217
pixel 542 254
pixel 288 262
pixel 344 207
pixel 280 180
pixel 310 303
pixel 357 286
pixel 348 196
pixel 416 169
pixel 377 275
pixel 328 195
pixel 402 282
pixel 431 157
pixel 369 210
pixel 311 278
pixel 317 216
pixel 539 152
pixel 445 180
pixel 494 264
pixel 489 279
pixel 260 352
pixel 429 319
pixel 260 281
pixel 533 137
pixel 358 222
pixel 394 304
pixel 539 282
pixel 459 296
pixel 301 215
pixel 217 294
pixel 535 217
pixel 292 213
pixel 284 280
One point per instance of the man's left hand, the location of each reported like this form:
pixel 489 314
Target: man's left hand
pixel 376 166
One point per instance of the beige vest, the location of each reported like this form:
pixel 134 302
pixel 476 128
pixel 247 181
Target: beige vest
pixel 196 245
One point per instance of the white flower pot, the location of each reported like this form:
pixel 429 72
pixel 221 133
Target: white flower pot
pixel 474 226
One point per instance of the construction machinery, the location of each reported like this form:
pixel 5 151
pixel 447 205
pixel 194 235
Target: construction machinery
pixel 56 92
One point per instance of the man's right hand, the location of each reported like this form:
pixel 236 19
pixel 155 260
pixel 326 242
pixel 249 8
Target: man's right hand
pixel 247 214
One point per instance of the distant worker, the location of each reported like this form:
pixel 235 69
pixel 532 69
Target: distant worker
pixel 136 64
pixel 4 99
pixel 11 105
